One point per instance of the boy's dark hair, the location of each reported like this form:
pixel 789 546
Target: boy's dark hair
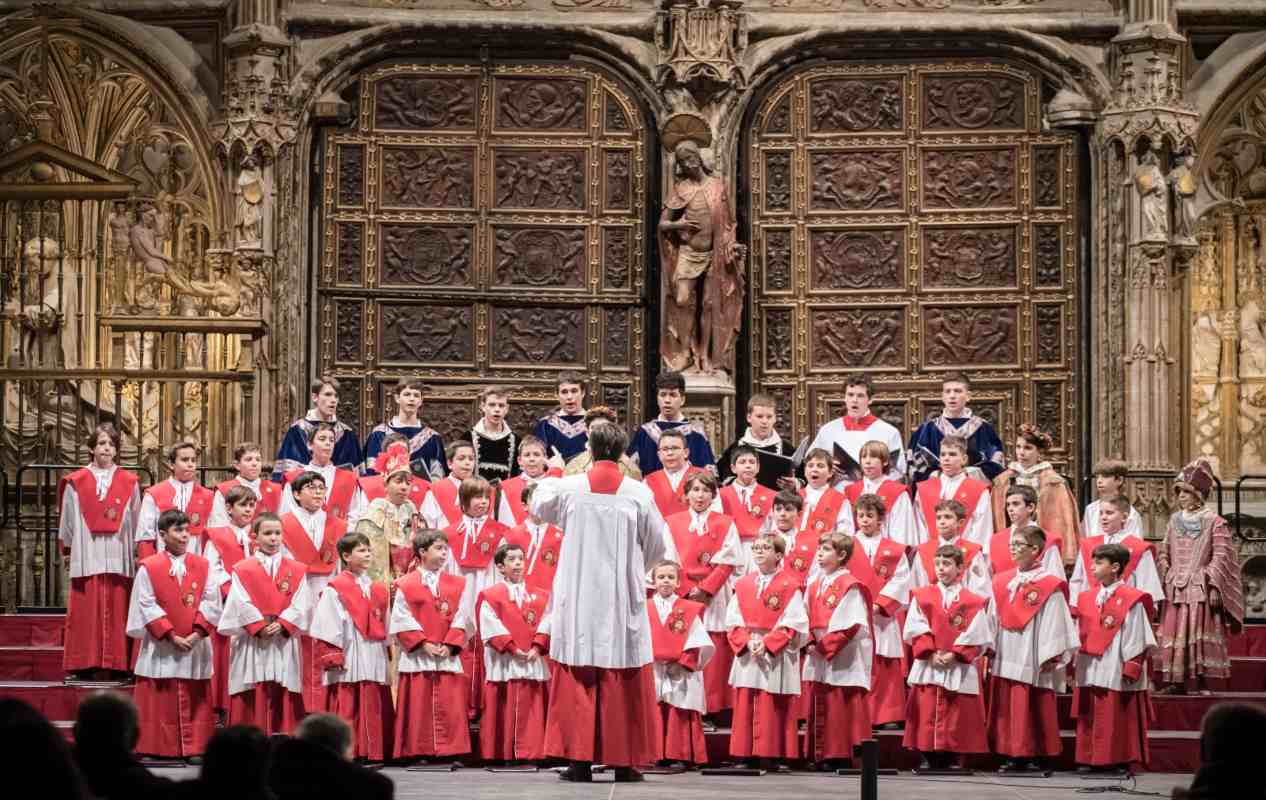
pixel 321 382
pixel 1035 436
pixel 450 452
pixel 776 542
pixel 704 477
pixel 264 517
pixel 957 377
pixel 494 391
pixel 1112 468
pixel 1116 553
pixel 110 431
pixel 873 503
pixel 322 426
pixel 670 380
pixel 415 384
pixel 789 500
pixel 1026 492
pixel 533 441
pixel 1231 733
pixel 392 437
pixel 425 537
pixel 1120 503
pixel 325 730
pixel 742 450
pixel 244 448
pixel 672 433
pixel 350 542
pixel 818 454
pixel 174 451
pixel 473 487
pixel 876 449
pixel 762 400
pixel 862 379
pixel 841 543
pixel 237 494
pixel 171 518
pixel 950 551
pixel 570 377
pixel 526 494
pixel 956 442
pixel 1032 534
pixel 607 442
pixel 499 557
pixel 298 484
pixel 952 505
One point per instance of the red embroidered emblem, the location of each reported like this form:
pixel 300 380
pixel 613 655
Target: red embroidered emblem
pixel 756 511
pixel 678 623
pixel 443 607
pixel 772 601
pixel 189 600
pixel 957 620
pixel 818 525
pixel 705 558
pixel 882 571
pixel 530 616
pixel 830 600
pixel 1109 621
pixel 797 564
pixel 377 613
pixel 111 513
pixel 549 557
pixel 195 518
pixel 1031 596
pixel 327 557
pixel 483 547
pixel 284 586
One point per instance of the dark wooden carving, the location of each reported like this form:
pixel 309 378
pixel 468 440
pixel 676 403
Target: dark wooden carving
pixel 544 179
pixel 858 258
pixel 351 174
pixel 616 120
pixel 779 120
pixel 428 177
pixel 968 335
pixel 349 331
pixel 777 259
pixel 1048 410
pixel 349 405
pixel 541 104
pixel 782 409
pixel 970 102
pixel 351 243
pixel 615 258
pixel 1048 320
pixel 617 181
pixel 969 178
pixel 541 256
pixel 538 335
pixel 778 181
pixel 853 105
pixel 617 397
pixel 523 414
pixel 1048 255
pixel 779 338
pixel 427 255
pixel 857 180
pixel 960 258
pixel 426 334
pixel 615 342
pixel 411 102
pixel 855 338
pixel 892 412
pixel 452 419
pixel 1046 177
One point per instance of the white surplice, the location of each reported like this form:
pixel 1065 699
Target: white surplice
pixel 147 519
pixel 219 516
pixel 1145 577
pixel 979 519
pixel 843 519
pixel 502 667
pixel 314 524
pixel 258 659
pixel 1051 633
pixel 833 432
pixel 730 555
pixel 403 621
pixel 96 555
pixel 887 630
pixel 851 665
pixel 957 677
pixel 160 658
pixel 1133 639
pixel 900 522
pixel 674 684
pixel 776 674
pixel 219 572
pixel 355 507
pixel 363 659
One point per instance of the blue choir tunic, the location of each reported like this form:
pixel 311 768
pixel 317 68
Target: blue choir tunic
pixel 983 445
pixel 294 452
pixel 565 433
pixel 644 449
pixel 426 449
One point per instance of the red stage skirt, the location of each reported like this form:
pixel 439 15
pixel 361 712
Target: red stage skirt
pixel 176 719
pixel 512 726
pixel 314 690
pixel 839 718
pixel 681 735
pixel 1023 722
pixel 366 706
pixel 764 725
pixel 887 697
pixel 431 718
pixel 716 675
pixel 96 623
pixel 220 675
pixel 268 706
pixel 604 716
pixel 1111 726
pixel 941 721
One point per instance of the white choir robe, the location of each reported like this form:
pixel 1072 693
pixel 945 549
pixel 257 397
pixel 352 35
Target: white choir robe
pixel 887 629
pixel 596 616
pixel 958 677
pixel 1090 526
pixel 159 658
pixel 219 516
pixel 147 521
pixel 974 575
pixel 683 688
pixel 1051 634
pixel 503 667
pixel 775 674
pixel 314 524
pixel 219 572
pixel 1133 639
pixel 97 555
pixel 979 519
pixel 900 524
pixel 843 520
pixel 355 507
pixel 851 665
pixel 833 432
pixel 418 660
pixel 477 579
pixel 433 515
pixel 730 555
pixel 1052 560
pixel 258 659
pixel 1145 577
pixel 363 660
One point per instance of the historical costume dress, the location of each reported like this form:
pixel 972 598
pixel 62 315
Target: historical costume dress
pixel 1056 506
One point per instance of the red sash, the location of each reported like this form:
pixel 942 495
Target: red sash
pixel 1134 544
pixel 605 477
pixel 822 519
pixel 445 492
pixel 179 601
pixel 300 545
pixel 748 522
pixel 802 556
pixel 823 604
pixel 520 622
pixel 764 612
pixel 669 502
pixel 434 613
pixel 270 595
pixel 947 624
pixel 875 574
pixel 927 555
pixel 1000 549
pixel 1098 627
pixel 269 495
pixel 539 575
pixel 227 546
pixel 369 614
pixel 103 517
pixel 968 493
pixel 694 550
pixel 1015 613
pixel 888 490
pixel 512 491
pixel 375 486
pixel 668 637
pixel 479 551
pixel 198 508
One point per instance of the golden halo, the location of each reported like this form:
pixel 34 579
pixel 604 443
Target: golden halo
pixel 685 127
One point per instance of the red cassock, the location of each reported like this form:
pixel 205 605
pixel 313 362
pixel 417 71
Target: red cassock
pixel 765 723
pixel 317 562
pixel 267 705
pixel 801 557
pixel 513 723
pixel 1023 720
pixel 1000 550
pixel 541 562
pixel 1137 547
pixel 1111 725
pixel 431 718
pixel 926 555
pixel 97 605
pixel 889 492
pixel 696 552
pixel 338 498
pixel 175 713
pixel 681 729
pixel 751 517
pixel 668 500
pixel 839 716
pixel 269 495
pixel 198 510
pixel 366 705
pixel 511 490
pixel 446 496
pixel 230 552
pixel 823 516
pixel 478 556
pixel 887 697
pixel 375 486
pixel 938 719
pixel 929 494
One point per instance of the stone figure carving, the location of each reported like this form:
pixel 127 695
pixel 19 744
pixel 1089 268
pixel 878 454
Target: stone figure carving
pixel 250 204
pixel 1206 346
pixel 1252 341
pixel 36 312
pixel 120 223
pixel 702 264
pixel 1149 182
pixel 1182 182
pixel 146 241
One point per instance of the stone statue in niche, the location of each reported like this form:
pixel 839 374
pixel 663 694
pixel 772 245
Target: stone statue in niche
pixel 147 248
pixel 120 224
pixel 702 264
pixel 1252 341
pixel 1149 182
pixel 1206 346
pixel 1182 182
pixel 249 223
pixel 36 313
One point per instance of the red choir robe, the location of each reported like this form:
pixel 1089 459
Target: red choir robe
pixel 1111 703
pixel 1140 571
pixel 269 497
pixel 669 500
pixel 748 517
pixel 163 497
pixel 837 671
pixel 969 492
pixel 801 559
pixel 825 515
pixel 97 537
pixel 320 564
pixel 510 508
pixel 173 686
pixel 887 578
pixel 540 557
pixel 471 558
pixel 945 712
pixel 350 629
pixel 999 553
pixel 766 687
pixel 682 647
pixel 443 507
pixel 974 574
pixel 339 496
pixel 899 523
pixel 432 700
pixel 227 552
pixel 512 727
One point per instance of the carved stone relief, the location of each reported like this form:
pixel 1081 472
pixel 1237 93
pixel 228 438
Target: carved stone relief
pixel 857 180
pixel 616 179
pixel 425 334
pixel 778 181
pixel 1048 410
pixel 965 178
pixel 538 335
pixel 427 255
pixel 777 262
pixel 351 244
pixel 615 258
pixel 855 104
pixel 616 339
pixel 962 335
pixel 1047 179
pixel 779 338
pixel 351 175
pixel 972 102
pixel 963 258
pixel 858 339
pixel 430 177
pixel 349 322
pixel 537 104
pixel 541 256
pixel 858 259
pixel 410 102
pixel 1048 322
pixel 540 179
pixel 1048 255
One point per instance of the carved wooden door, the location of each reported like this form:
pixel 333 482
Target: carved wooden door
pixel 912 219
pixel 484 224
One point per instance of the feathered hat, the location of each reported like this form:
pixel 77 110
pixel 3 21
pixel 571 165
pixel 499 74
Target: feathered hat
pixel 392 460
pixel 1196 477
